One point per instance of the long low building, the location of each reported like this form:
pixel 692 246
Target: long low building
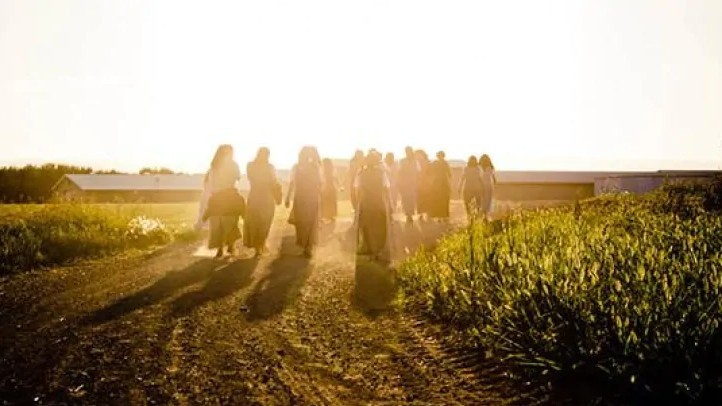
pixel 647 182
pixel 511 185
pixel 130 188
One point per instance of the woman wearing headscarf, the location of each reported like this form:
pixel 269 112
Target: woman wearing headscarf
pixel 470 186
pixel 354 167
pixel 424 184
pixel 225 202
pixel 329 194
pixel 261 201
pixel 488 180
pixel 392 173
pixel 408 188
pixel 305 188
pixel 372 190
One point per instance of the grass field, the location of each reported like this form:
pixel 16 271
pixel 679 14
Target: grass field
pixel 33 236
pixel 174 215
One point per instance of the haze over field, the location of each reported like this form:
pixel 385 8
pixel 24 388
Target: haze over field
pixel 574 85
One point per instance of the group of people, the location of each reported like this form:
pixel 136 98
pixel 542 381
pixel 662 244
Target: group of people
pixel 376 185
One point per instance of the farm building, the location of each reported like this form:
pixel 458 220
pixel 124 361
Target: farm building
pixel 130 188
pixel 646 182
pixel 545 185
pixel 520 185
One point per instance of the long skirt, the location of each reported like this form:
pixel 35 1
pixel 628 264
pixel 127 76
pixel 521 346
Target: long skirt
pixel 224 231
pixel 306 216
pixel 472 200
pixel 408 200
pixel 258 220
pixel 486 201
pixel 329 203
pixel 439 203
pixel 373 224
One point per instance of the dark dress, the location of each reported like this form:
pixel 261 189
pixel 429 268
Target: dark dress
pixel 353 170
pixel 373 209
pixel 306 204
pixel 472 192
pixel 423 200
pixel 407 182
pixel 329 198
pixel 261 204
pixel 223 222
pixel 440 190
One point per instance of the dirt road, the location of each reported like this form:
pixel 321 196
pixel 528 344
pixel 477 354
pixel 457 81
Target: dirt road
pixel 177 327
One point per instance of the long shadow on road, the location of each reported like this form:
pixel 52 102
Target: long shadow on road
pixel 277 289
pixel 155 293
pixel 222 283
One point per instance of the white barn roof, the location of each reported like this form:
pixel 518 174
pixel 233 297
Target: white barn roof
pixel 137 182
pixel 141 182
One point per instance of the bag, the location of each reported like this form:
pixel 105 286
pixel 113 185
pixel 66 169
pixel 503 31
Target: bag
pixel 278 193
pixel 227 202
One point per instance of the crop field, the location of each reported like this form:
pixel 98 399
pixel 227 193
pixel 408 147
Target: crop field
pixel 177 215
pixel 615 298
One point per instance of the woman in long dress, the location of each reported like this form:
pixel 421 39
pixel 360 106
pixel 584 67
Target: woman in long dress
pixel 305 188
pixel 354 167
pixel 440 190
pixel 424 184
pixel 392 173
pixel 470 186
pixel 488 180
pixel 329 194
pixel 223 177
pixel 261 202
pixel 407 181
pixel 372 188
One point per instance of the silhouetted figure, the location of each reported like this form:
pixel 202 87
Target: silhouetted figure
pixel 329 193
pixel 372 188
pixel 354 167
pixel 470 186
pixel 423 201
pixel 407 181
pixel 440 189
pixel 261 201
pixel 392 173
pixel 305 187
pixel 224 204
pixel 488 180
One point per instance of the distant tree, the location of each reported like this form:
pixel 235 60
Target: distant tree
pixel 33 184
pixel 108 172
pixel 156 171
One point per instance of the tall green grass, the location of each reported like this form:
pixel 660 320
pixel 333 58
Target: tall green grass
pixel 620 296
pixel 43 235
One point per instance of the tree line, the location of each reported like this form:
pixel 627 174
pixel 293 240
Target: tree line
pixel 33 183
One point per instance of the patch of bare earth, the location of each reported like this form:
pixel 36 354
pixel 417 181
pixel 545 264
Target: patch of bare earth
pixel 180 328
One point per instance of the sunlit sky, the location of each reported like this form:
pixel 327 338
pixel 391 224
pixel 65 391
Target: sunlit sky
pixel 578 85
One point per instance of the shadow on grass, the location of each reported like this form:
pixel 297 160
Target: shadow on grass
pixel 280 286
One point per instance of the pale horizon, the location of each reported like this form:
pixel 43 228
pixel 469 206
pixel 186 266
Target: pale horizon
pixel 607 86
